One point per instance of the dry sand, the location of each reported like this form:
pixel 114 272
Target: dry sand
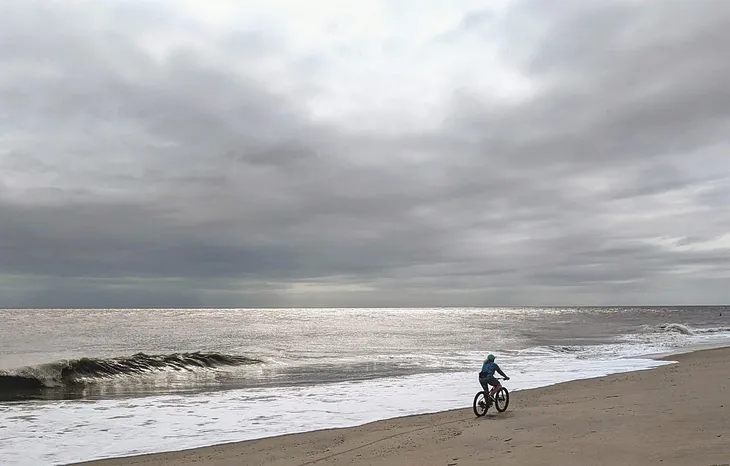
pixel 674 415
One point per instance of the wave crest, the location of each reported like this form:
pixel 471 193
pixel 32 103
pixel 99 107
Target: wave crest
pixel 79 371
pixel 682 329
pixel 674 328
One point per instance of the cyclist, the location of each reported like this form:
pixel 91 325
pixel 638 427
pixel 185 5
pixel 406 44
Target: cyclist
pixel 486 376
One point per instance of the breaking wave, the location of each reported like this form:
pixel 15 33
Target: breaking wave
pixel 712 330
pixel 84 370
pixel 682 329
pixel 645 340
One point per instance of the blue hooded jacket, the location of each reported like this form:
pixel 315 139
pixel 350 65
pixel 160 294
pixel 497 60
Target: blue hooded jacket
pixel 488 369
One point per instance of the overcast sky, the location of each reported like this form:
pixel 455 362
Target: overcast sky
pixel 364 153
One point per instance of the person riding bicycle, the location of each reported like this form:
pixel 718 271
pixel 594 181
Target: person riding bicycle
pixel 486 376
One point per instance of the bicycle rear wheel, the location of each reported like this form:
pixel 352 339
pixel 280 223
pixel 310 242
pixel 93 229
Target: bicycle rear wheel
pixel 480 404
pixel 501 400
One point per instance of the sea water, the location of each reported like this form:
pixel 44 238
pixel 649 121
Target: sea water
pixel 86 384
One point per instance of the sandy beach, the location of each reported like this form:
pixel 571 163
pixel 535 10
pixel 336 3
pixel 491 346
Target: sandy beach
pixel 674 415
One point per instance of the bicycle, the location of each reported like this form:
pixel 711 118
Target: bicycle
pixel 482 401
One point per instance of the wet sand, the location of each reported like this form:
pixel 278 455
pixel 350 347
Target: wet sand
pixel 673 415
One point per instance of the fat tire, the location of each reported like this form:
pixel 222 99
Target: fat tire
pixel 478 409
pixel 498 402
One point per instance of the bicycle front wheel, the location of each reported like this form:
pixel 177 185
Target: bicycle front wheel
pixel 480 404
pixel 501 400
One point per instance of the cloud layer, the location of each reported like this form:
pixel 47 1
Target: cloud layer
pixel 540 152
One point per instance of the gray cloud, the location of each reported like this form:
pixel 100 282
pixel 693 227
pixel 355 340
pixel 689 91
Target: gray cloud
pixel 133 174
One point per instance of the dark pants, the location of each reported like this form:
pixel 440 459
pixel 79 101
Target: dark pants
pixel 485 381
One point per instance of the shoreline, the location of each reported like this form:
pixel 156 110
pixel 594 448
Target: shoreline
pixel 657 386
pixel 696 348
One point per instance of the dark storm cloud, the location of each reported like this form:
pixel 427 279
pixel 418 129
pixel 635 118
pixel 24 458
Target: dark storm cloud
pixel 131 175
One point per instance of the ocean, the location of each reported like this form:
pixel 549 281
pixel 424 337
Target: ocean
pixel 87 384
